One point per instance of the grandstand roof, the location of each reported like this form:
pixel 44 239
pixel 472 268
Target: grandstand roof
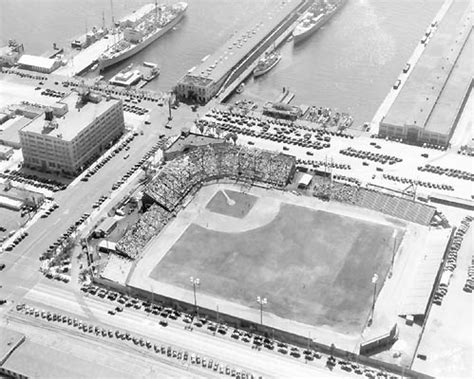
pixel 433 73
pixel 418 290
pixel 218 64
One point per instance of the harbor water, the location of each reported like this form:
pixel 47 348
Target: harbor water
pixel 348 65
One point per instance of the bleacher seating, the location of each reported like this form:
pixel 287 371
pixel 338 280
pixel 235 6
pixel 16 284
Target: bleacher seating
pixel 395 206
pixel 138 235
pixel 206 163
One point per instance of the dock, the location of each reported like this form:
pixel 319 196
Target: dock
pixel 286 96
pixel 220 73
pixel 392 95
pixel 84 59
pixel 273 41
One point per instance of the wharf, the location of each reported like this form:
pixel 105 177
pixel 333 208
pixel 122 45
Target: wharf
pixel 413 60
pixel 221 72
pixel 84 59
pixel 272 41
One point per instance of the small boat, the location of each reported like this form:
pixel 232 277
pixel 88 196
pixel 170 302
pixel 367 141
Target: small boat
pixel 266 63
pixel 240 88
pixel 94 67
pixel 290 38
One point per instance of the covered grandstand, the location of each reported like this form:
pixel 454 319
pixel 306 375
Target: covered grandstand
pixel 428 106
pixel 188 172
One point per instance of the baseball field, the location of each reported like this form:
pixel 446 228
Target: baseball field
pixel 314 266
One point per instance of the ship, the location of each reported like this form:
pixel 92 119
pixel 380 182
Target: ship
pixel 315 17
pixel 153 25
pixel 266 63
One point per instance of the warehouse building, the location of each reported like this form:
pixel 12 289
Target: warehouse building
pixel 38 64
pixel 67 145
pixel 429 105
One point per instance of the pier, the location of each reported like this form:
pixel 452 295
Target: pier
pixel 220 73
pixel 82 61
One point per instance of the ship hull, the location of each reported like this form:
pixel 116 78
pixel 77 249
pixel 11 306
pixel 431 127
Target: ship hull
pixel 104 63
pixel 298 37
pixel 258 73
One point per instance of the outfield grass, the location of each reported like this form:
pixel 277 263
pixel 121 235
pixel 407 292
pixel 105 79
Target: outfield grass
pixel 243 203
pixel 313 266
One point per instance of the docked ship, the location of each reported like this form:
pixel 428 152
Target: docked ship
pixel 138 35
pixel 315 17
pixel 266 63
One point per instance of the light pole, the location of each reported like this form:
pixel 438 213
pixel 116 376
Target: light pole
pixel 262 302
pixel 375 278
pixel 195 282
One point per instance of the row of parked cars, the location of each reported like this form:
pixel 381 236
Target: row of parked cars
pixel 20 237
pixel 135 109
pixel 375 157
pixel 52 93
pixel 469 284
pixel 451 262
pixel 58 270
pixel 25 75
pixel 451 172
pixel 120 146
pixel 50 209
pixel 135 167
pixel 99 201
pixel 164 350
pixel 401 179
pixel 466 150
pixel 316 163
pixel 347 179
pixel 33 180
pixel 254 340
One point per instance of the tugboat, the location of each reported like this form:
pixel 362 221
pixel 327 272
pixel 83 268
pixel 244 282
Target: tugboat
pixel 266 63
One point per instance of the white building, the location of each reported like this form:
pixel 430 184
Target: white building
pixel 39 64
pixel 66 145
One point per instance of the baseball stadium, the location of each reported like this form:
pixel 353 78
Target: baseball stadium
pixel 233 218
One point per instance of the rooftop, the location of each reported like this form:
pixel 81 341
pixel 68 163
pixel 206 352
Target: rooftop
pixel 9 129
pixel 217 65
pixel 438 65
pixel 191 140
pixel 74 121
pixel 37 61
pixel 450 100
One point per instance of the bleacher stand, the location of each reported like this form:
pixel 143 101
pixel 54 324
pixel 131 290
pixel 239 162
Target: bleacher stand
pixel 206 163
pixel 392 205
pixel 202 164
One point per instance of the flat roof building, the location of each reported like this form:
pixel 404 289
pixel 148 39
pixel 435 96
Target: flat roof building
pixel 9 131
pixel 69 143
pixel 428 106
pixel 39 64
pixel 204 81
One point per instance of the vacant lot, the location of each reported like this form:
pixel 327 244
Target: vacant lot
pixel 313 266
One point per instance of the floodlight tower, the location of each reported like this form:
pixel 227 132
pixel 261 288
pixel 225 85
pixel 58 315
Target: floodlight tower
pixel 262 302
